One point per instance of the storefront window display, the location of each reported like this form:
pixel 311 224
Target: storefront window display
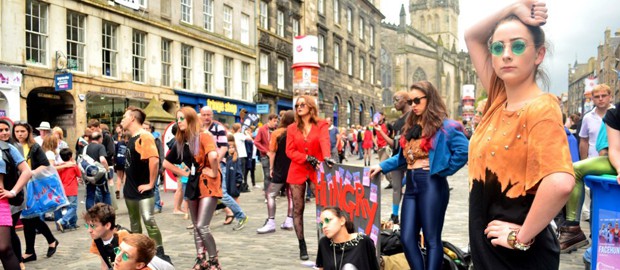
pixel 109 110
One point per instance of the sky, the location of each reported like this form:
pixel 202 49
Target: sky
pixel 574 29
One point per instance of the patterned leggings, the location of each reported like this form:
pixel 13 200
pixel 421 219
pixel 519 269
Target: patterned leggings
pixel 298 193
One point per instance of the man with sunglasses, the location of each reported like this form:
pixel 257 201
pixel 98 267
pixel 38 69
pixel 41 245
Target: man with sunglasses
pixel 108 238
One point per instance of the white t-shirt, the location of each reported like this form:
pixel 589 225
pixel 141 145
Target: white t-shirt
pixel 590 126
pixel 240 143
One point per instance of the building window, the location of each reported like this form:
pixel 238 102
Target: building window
pixel 143 4
pixel 350 113
pixel 186 66
pixel 245 29
pixel 228 28
pixel 362 69
pixel 207 11
pixel 350 63
pixel 321 7
pixel 228 66
pixel 295 27
pixel 280 29
pixel 281 76
pixel 264 15
pixel 371 35
pixel 166 63
pixel 336 56
pixel 245 80
pixel 371 73
pixel 349 20
pixel 138 55
pixel 186 11
pixel 264 69
pixel 109 51
pixel 75 40
pixel 337 11
pixel 208 70
pixel 36 32
pixel 321 49
pixel 361 24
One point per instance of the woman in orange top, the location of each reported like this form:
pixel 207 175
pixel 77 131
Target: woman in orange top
pixel 198 152
pixel 307 144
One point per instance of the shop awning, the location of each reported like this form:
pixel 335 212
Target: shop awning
pixel 155 113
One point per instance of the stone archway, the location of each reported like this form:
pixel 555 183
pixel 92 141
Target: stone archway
pixel 55 107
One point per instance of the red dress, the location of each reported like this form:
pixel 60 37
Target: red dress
pixel 316 144
pixel 367 142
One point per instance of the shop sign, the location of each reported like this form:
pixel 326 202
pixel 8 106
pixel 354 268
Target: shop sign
pixel 123 92
pixel 220 106
pixel 63 82
pixel 262 108
pixel 306 51
pixel 133 4
pixel 10 78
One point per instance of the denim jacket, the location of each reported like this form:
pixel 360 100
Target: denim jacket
pixel 446 157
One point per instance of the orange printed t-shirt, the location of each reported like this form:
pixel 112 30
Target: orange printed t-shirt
pixel 209 187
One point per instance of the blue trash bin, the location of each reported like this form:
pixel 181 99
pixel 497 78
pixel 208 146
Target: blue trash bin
pixel 605 217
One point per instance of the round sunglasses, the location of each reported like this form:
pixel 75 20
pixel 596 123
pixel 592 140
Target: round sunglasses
pixel 517 47
pixel 118 251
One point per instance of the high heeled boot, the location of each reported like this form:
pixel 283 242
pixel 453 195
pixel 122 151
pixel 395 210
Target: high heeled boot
pixel 303 251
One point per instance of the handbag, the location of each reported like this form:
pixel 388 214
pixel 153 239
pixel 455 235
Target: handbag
pixel 44 193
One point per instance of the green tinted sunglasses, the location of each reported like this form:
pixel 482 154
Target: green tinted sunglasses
pixel 517 47
pixel 325 222
pixel 118 250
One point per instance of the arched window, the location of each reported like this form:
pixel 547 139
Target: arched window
pixel 386 97
pixel 336 109
pixel 429 23
pixel 349 113
pixel 419 75
pixel 422 23
pixel 361 111
pixel 372 112
pixel 436 26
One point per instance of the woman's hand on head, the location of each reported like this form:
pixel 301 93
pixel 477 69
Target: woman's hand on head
pixel 531 12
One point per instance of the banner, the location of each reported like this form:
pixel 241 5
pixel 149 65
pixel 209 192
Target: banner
pixel 351 189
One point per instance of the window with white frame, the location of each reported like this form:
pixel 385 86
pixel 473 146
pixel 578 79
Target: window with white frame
pixel 362 69
pixel 371 73
pixel 207 11
pixel 371 35
pixel 75 40
pixel 109 49
pixel 228 28
pixel 281 75
pixel 36 32
pixel 361 24
pixel 350 63
pixel 186 11
pixel 321 7
pixel 208 71
pixel 295 27
pixel 336 56
pixel 245 79
pixel 337 11
pixel 245 29
pixel 228 75
pixel 143 4
pixel 264 15
pixel 138 42
pixel 349 20
pixel 321 49
pixel 280 20
pixel 186 66
pixel 166 61
pixel 264 69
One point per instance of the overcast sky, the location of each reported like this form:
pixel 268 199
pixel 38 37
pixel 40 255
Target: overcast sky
pixel 574 29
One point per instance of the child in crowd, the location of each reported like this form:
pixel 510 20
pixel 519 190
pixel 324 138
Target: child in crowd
pixel 66 218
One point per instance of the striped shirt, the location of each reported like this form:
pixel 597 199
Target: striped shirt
pixel 219 134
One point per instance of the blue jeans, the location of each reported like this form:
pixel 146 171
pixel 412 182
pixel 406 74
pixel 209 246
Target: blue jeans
pixel 90 194
pixel 424 207
pixel 360 150
pixel 228 200
pixel 69 219
pixel 158 203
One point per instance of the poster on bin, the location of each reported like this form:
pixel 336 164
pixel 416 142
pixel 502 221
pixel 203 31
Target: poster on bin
pixel 353 190
pixel 608 250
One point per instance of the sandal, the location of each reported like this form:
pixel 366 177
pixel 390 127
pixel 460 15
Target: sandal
pixel 229 220
pixel 200 261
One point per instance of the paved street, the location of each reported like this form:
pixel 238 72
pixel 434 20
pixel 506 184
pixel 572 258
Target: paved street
pixel 245 249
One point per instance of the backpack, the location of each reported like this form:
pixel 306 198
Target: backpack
pixel 390 242
pixel 121 154
pixel 10 178
pixel 93 172
pixel 461 260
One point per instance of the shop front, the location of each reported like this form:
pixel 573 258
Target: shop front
pixel 284 104
pixel 10 84
pixel 225 110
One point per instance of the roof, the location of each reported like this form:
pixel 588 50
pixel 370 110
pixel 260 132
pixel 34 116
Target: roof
pixel 155 113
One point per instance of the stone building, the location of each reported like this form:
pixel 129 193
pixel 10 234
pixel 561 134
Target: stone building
pixel 608 62
pixel 123 52
pixel 577 76
pixel 423 50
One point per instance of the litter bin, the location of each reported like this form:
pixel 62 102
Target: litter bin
pixel 605 217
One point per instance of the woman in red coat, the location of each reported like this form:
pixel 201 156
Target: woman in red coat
pixel 307 144
pixel 367 143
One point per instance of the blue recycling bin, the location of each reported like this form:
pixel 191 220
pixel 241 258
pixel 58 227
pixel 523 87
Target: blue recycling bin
pixel 605 217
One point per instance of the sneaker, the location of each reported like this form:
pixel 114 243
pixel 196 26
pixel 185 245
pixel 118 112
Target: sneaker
pixel 59 226
pixel 241 224
pixel 287 224
pixel 269 227
pixel 571 238
pixel 394 219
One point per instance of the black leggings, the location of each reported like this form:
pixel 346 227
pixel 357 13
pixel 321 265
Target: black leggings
pixel 298 193
pixel 7 256
pixel 17 244
pixel 31 225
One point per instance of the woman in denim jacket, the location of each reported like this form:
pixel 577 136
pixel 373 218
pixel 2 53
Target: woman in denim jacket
pixel 433 147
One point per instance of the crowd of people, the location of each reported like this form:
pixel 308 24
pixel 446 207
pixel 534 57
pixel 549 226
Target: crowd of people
pixel 526 167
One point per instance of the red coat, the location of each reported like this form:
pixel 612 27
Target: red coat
pixel 316 145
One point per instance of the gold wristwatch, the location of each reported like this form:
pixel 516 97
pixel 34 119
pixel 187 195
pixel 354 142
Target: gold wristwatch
pixel 514 243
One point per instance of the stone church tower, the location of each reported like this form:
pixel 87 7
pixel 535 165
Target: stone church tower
pixel 437 19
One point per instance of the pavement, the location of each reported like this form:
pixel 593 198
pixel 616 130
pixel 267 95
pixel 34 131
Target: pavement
pixel 245 249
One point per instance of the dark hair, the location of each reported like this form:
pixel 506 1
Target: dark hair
pixel 93 123
pixel 137 113
pixel 65 154
pixel 340 214
pixel 434 114
pixel 29 140
pixel 272 116
pixel 101 212
pixel 174 129
pixel 288 117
